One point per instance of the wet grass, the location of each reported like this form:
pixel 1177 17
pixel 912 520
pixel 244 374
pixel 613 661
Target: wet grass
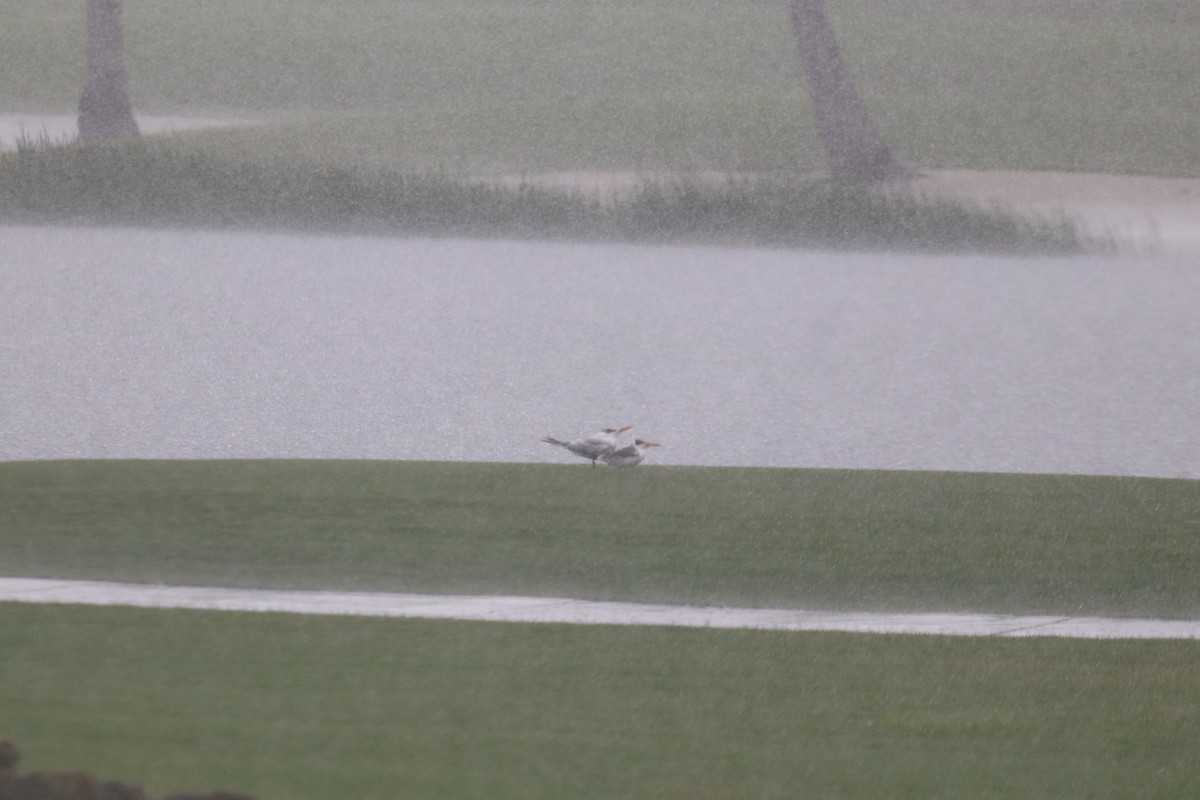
pixel 829 539
pixel 170 184
pixel 289 708
pixel 285 706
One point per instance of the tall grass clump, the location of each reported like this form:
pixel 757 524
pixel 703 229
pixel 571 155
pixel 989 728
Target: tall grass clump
pixel 160 182
pixel 821 213
pixel 157 183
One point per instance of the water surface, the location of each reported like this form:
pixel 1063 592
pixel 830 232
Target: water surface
pixel 161 344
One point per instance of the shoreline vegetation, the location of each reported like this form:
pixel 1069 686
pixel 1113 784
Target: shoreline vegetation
pixel 395 101
pixel 164 182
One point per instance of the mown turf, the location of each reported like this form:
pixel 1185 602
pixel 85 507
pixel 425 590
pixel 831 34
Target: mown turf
pixel 293 707
pixel 768 537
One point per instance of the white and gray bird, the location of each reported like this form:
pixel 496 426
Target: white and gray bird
pixel 598 445
pixel 630 455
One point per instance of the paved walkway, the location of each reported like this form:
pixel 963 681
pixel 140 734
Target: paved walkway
pixel 582 612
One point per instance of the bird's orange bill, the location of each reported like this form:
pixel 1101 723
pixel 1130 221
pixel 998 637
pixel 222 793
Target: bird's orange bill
pixel 651 444
pixel 623 428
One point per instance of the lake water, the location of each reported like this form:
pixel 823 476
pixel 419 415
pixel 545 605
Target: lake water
pixel 160 344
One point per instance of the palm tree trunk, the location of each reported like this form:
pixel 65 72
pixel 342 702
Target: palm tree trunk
pixel 104 108
pixel 854 149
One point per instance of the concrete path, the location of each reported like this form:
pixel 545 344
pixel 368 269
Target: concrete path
pixel 582 612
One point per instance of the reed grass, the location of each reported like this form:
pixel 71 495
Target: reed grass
pixel 164 182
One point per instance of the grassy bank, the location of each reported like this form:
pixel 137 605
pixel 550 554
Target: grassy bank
pixel 293 707
pixel 745 537
pixel 165 183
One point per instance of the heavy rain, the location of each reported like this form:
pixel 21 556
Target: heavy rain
pixel 578 386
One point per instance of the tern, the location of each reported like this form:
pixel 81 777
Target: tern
pixel 630 455
pixel 596 446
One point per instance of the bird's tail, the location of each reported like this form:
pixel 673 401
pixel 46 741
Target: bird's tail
pixel 552 440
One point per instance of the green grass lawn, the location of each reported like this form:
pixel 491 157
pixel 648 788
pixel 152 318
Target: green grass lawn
pixel 303 707
pixel 290 707
pixel 747 537
pixel 480 86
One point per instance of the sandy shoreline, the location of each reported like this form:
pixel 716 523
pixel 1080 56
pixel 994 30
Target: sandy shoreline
pixel 582 612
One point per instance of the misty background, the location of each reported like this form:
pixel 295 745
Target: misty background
pixel 128 343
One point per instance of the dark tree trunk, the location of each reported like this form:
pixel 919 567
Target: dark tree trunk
pixel 104 108
pixel 854 150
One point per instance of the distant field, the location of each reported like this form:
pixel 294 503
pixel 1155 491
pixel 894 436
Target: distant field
pixel 527 85
pixel 826 539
